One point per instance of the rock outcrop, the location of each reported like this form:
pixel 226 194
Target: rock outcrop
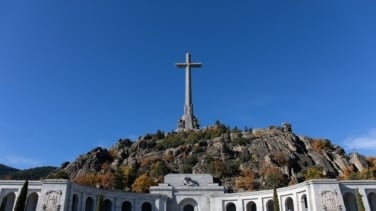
pixel 220 151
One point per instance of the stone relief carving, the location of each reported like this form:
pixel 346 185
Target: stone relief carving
pixel 189 182
pixel 329 200
pixel 181 123
pixel 52 200
pixel 195 123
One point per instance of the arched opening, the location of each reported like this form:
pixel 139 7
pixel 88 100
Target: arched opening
pixel 188 204
pixel 89 204
pixel 289 204
pixel 188 207
pixel 31 202
pixel 107 204
pixel 75 202
pixel 372 201
pixel 350 201
pixel 304 203
pixel 251 206
pixel 126 206
pixel 230 207
pixel 8 202
pixel 146 206
pixel 269 205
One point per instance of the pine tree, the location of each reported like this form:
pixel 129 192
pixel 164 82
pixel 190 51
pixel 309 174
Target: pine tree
pixel 2 207
pixel 99 203
pixel 275 200
pixel 359 201
pixel 21 200
pixel 130 174
pixel 119 180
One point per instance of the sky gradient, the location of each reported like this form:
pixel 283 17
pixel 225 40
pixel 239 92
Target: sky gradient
pixel 79 74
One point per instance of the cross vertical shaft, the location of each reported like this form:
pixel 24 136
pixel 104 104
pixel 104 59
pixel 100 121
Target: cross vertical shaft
pixel 188 121
pixel 188 89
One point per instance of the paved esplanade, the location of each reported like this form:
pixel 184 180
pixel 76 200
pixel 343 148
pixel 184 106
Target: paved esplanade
pixel 188 121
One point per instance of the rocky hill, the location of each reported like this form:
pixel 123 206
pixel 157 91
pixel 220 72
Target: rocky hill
pixel 240 160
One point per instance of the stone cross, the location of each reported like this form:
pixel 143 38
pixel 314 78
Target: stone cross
pixel 188 121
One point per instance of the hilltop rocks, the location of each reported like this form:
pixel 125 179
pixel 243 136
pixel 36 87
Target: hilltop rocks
pixel 220 151
pixel 90 162
pixel 359 161
pixel 286 127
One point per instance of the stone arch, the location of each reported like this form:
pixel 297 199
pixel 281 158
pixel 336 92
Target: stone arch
pixel 269 205
pixel 75 202
pixel 230 207
pixel 188 205
pixel 304 203
pixel 7 203
pixel 251 206
pixel 146 206
pixel 31 202
pixel 107 205
pixel 89 204
pixel 126 206
pixel 350 201
pixel 289 204
pixel 372 201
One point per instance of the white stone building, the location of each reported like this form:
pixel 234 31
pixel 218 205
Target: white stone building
pixel 190 192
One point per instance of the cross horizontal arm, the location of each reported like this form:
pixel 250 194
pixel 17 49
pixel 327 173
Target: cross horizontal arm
pixel 195 64
pixel 190 64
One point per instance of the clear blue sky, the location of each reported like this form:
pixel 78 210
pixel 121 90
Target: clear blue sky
pixel 79 74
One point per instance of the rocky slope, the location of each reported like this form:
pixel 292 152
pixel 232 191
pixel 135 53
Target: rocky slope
pixel 239 160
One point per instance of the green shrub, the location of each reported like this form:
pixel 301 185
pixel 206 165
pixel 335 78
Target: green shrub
pixel 185 169
pixel 191 160
pixel 230 168
pixel 313 172
pixel 159 169
pixel 241 141
pixel 170 142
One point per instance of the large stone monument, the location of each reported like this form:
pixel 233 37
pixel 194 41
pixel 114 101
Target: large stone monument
pixel 188 121
pixel 188 191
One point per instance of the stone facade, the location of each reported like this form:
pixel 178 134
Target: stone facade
pixel 190 192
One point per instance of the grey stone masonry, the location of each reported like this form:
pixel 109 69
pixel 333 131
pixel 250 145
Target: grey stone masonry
pixel 188 190
pixel 188 121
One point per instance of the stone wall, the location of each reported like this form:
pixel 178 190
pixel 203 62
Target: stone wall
pixel 191 191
